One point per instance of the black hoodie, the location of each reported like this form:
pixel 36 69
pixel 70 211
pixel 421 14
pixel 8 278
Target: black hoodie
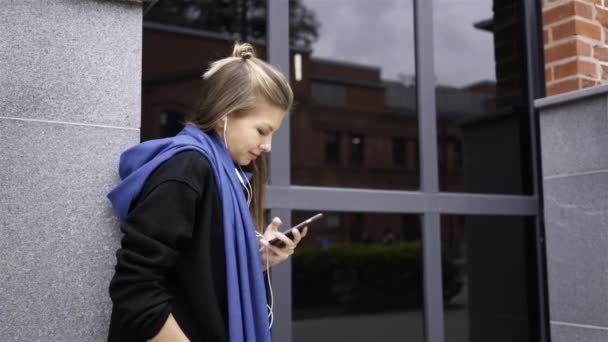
pixel 171 258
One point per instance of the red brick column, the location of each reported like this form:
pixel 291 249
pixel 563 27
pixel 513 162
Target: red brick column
pixel 576 54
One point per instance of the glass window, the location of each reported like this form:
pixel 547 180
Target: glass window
pixel 171 123
pixel 334 221
pixel 412 154
pixel 398 151
pixel 332 147
pixel 353 72
pixel 488 281
pixel 357 149
pixel 180 38
pixel 358 277
pixel 482 107
pixel 244 20
pixel 328 94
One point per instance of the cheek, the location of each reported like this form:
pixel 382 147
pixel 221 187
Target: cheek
pixel 247 140
pixel 245 136
pixel 253 138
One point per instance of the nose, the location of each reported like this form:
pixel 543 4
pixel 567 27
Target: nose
pixel 266 146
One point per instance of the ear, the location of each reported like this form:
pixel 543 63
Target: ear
pixel 221 122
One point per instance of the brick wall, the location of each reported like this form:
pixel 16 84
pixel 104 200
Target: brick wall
pixel 576 54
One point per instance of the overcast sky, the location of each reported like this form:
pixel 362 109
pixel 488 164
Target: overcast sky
pixel 381 33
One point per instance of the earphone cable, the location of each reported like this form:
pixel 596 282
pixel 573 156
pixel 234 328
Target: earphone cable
pixel 271 305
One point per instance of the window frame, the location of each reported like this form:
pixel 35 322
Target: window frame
pixel 283 197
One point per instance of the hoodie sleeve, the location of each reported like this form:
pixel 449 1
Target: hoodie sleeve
pixel 158 225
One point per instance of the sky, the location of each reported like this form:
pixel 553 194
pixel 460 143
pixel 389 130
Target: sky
pixel 380 33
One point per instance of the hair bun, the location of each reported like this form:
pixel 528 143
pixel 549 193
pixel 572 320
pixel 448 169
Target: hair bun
pixel 243 50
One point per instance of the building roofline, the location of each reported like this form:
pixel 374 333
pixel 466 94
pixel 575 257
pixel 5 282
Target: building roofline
pixel 192 32
pixel 339 80
pixel 207 34
pixel 347 64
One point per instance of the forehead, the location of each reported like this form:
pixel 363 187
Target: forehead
pixel 267 113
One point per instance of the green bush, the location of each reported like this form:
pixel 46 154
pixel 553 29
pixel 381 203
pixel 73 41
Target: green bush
pixel 362 278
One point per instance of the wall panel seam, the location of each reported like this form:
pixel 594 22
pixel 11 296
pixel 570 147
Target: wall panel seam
pixel 68 123
pixel 577 325
pixel 576 174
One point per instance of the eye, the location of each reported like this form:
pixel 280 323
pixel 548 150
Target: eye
pixel 261 132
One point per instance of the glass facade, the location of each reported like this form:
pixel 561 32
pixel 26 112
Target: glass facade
pixel 355 95
pixel 180 39
pixel 412 132
pixel 486 269
pixel 482 113
pixel 358 277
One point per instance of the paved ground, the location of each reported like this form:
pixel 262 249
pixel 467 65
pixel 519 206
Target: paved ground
pixel 403 326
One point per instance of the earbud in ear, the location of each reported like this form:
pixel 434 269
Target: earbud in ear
pixel 225 126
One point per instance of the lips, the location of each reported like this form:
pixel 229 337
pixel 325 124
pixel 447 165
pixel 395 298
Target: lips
pixel 255 156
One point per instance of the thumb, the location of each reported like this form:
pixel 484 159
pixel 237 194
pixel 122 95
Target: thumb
pixel 274 225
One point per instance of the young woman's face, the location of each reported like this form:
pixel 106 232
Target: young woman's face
pixel 250 134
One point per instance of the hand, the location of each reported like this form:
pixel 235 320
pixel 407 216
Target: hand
pixel 272 255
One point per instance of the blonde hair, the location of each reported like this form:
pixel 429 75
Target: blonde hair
pixel 236 84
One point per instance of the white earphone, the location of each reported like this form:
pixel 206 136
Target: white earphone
pixel 248 187
pixel 271 305
pixel 225 127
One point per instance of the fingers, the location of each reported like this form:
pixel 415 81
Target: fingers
pixel 289 243
pixel 279 254
pixel 282 253
pixel 297 235
pixel 287 250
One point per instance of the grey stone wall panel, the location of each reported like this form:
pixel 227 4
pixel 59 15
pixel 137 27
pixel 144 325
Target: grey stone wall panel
pixel 561 333
pixel 75 61
pixel 58 232
pixel 576 228
pixel 574 137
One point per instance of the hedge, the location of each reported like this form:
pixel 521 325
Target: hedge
pixel 364 278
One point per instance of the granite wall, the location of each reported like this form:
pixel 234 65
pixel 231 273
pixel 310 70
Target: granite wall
pixel 574 142
pixel 70 103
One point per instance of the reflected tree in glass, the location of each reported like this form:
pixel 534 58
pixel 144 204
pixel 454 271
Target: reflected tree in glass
pixel 245 19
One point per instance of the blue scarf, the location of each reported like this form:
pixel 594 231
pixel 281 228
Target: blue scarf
pixel 247 313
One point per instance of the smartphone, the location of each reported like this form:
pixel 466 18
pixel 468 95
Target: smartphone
pixel 289 233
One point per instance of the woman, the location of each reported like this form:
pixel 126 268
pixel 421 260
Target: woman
pixel 193 255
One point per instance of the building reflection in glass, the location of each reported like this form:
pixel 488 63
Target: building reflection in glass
pixel 488 256
pixel 483 131
pixel 355 125
pixel 355 119
pixel 358 277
